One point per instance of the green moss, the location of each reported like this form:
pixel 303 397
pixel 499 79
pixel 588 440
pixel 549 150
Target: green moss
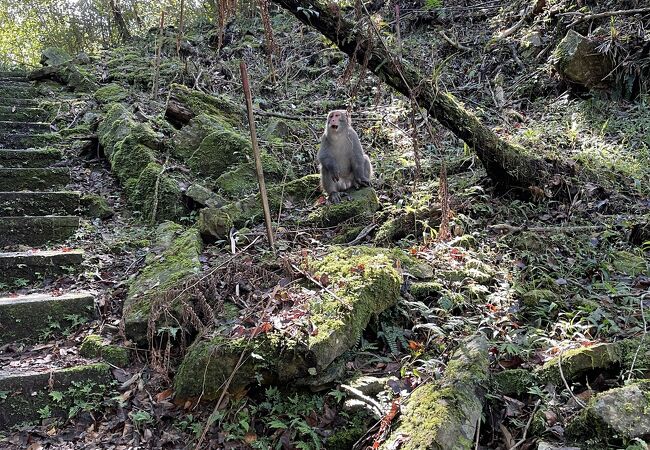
pixel 629 263
pixel 576 362
pixel 344 437
pixel 156 194
pixel 111 93
pixel 242 180
pixel 216 105
pixel 95 206
pixel 360 204
pixel 514 382
pixel 426 291
pixel 94 347
pixel 533 298
pixel 176 260
pixel 348 234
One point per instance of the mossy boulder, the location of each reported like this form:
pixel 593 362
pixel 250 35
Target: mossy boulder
pixel 444 414
pixel 358 204
pixel 173 259
pixel 579 361
pixel 191 103
pixel 130 147
pixel 204 196
pixel 535 297
pixel 209 146
pixel 53 56
pixel 407 222
pixel 95 206
pixel 93 346
pixel 622 413
pixel 242 179
pixel 364 282
pixel 216 222
pixel 578 60
pixel 111 93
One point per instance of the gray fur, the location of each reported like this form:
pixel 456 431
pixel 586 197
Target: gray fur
pixel 343 164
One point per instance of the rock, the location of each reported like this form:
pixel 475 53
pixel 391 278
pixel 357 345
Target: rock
pixel 204 196
pixel 53 56
pixel 623 412
pixel 185 104
pixel 369 385
pixel 242 179
pixel 215 223
pixel 93 346
pixel 95 206
pixel 404 223
pixel 514 381
pixel 578 60
pixel 361 205
pixel 337 323
pixel 444 414
pixel 111 93
pixel 548 446
pixel 579 361
pixel 173 260
pixel 210 146
pixel 130 148
pixel 82 59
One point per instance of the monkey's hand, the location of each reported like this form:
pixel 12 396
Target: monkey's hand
pixel 361 182
pixel 335 176
pixel 335 197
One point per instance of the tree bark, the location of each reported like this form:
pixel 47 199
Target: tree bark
pixel 120 23
pixel 508 165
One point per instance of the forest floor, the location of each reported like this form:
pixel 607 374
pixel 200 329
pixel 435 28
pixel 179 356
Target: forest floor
pixel 540 272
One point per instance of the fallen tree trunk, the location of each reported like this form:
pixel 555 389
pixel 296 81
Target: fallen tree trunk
pixel 506 164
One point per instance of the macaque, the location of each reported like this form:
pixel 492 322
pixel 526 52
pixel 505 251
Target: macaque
pixel 343 164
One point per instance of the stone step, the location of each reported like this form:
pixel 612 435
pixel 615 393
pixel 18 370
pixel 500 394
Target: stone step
pixel 34 231
pixel 26 203
pixel 18 90
pixel 27 317
pixel 36 265
pixel 28 391
pixel 19 139
pixel 13 73
pixel 14 79
pixel 24 127
pixel 33 178
pixel 29 157
pixel 22 113
pixel 18 102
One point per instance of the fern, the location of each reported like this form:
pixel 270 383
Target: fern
pixel 432 4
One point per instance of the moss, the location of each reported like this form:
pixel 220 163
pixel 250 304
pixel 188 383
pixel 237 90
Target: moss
pixel 209 147
pixel 94 347
pixel 579 361
pixel 111 93
pixel 242 180
pixel 345 436
pixel 95 206
pixel 407 222
pixel 361 204
pixel 79 130
pixel 629 263
pixel 348 234
pixel 533 298
pixel 175 258
pixel 216 105
pixel 514 382
pixel 156 194
pixel 426 291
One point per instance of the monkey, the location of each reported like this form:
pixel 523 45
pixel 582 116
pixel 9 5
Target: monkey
pixel 343 164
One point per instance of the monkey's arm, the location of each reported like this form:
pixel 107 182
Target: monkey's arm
pixel 360 163
pixel 327 161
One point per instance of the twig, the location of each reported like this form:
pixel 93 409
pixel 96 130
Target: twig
pixel 645 332
pixel 365 232
pixel 530 420
pixel 307 275
pixel 256 153
pixel 566 383
pixel 512 229
pixel 453 43
pixel 376 407
pixel 602 15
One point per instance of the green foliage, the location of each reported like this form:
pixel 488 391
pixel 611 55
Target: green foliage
pixel 432 4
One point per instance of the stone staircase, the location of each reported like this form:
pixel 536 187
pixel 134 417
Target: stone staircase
pixel 38 219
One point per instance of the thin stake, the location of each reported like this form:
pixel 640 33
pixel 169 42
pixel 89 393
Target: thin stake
pixel 398 33
pixel 156 75
pixel 256 152
pixel 179 36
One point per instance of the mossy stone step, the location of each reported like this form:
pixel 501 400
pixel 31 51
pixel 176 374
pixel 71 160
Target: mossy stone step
pixel 18 102
pixel 29 157
pixel 18 139
pixel 33 178
pixel 26 203
pixel 14 79
pixel 29 391
pixel 35 265
pixel 13 73
pixel 24 127
pixel 18 90
pixel 29 316
pixel 23 113
pixel 38 230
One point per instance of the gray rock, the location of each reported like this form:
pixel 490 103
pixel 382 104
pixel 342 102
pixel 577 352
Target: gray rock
pixel 578 60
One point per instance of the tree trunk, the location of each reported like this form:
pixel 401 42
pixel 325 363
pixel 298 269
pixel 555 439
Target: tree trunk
pixel 120 23
pixel 506 164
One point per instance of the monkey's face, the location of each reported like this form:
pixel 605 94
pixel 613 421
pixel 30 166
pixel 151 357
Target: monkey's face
pixel 337 120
